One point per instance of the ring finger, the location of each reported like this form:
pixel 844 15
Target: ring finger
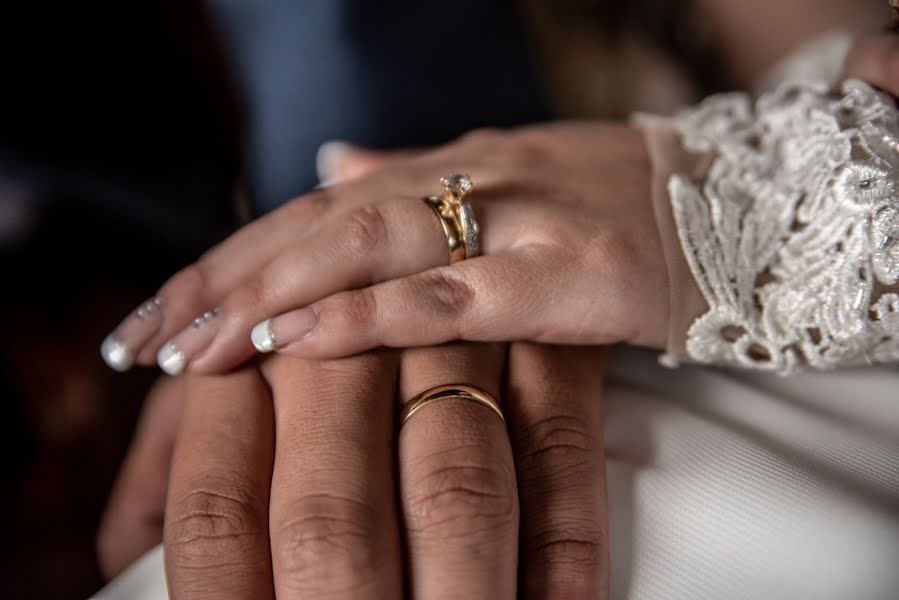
pixel 457 478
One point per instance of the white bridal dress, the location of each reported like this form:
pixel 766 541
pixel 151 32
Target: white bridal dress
pixel 775 474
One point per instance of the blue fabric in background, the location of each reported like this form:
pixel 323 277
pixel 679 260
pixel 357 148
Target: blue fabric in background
pixel 382 73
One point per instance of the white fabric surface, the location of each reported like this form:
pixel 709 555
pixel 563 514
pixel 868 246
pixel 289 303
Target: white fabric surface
pixel 734 486
pixel 144 580
pixel 731 486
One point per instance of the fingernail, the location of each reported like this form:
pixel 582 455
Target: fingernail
pixel 263 337
pixel 328 159
pixel 171 359
pixel 176 355
pixel 284 329
pixel 122 345
pixel 116 354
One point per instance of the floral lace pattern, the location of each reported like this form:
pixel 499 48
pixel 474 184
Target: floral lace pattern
pixel 793 235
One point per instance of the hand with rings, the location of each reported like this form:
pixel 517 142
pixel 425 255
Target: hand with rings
pixel 468 470
pixel 558 236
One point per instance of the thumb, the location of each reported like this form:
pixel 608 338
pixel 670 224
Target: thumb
pixel 338 161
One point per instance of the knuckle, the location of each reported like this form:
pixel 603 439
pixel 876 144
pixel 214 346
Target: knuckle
pixel 554 237
pixel 239 304
pixel 556 445
pixel 615 253
pixel 210 527
pixel 581 548
pixel 461 498
pixel 526 149
pixel 355 310
pixel 310 207
pixel 444 294
pixel 327 540
pixel 351 376
pixel 365 230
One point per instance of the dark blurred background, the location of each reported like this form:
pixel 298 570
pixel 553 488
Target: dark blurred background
pixel 134 135
pixel 119 159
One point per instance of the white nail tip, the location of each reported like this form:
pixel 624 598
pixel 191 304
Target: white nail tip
pixel 171 360
pixel 263 337
pixel 116 354
pixel 326 159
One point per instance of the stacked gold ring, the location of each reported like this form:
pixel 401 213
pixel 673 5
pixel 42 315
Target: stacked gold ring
pixel 450 392
pixel 457 217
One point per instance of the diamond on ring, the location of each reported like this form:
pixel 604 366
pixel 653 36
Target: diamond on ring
pixel 457 218
pixel 457 184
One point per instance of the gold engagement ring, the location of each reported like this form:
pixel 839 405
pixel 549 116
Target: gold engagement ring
pixel 457 217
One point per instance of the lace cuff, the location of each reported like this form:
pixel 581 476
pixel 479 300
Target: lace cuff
pixel 791 233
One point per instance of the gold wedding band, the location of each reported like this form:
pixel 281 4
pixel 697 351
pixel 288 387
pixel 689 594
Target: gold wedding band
pixel 450 392
pixel 457 217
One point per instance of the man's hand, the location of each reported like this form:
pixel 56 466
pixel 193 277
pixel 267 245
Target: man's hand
pixel 293 480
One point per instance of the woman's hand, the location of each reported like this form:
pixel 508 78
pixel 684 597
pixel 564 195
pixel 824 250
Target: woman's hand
pixel 294 480
pixel 571 256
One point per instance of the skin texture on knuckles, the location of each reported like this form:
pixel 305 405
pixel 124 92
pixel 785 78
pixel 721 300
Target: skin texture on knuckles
pixel 462 487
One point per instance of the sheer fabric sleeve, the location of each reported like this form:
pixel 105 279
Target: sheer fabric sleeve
pixel 780 218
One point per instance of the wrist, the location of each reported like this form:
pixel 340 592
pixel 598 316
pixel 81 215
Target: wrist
pixel 685 302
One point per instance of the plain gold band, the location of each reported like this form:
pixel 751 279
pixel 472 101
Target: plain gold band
pixel 450 392
pixel 450 229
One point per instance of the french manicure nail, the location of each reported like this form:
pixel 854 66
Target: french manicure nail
pixel 171 359
pixel 122 345
pixel 283 330
pixel 175 356
pixel 328 159
pixel 116 354
pixel 263 336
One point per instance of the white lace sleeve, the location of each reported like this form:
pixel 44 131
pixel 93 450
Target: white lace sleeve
pixel 793 235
